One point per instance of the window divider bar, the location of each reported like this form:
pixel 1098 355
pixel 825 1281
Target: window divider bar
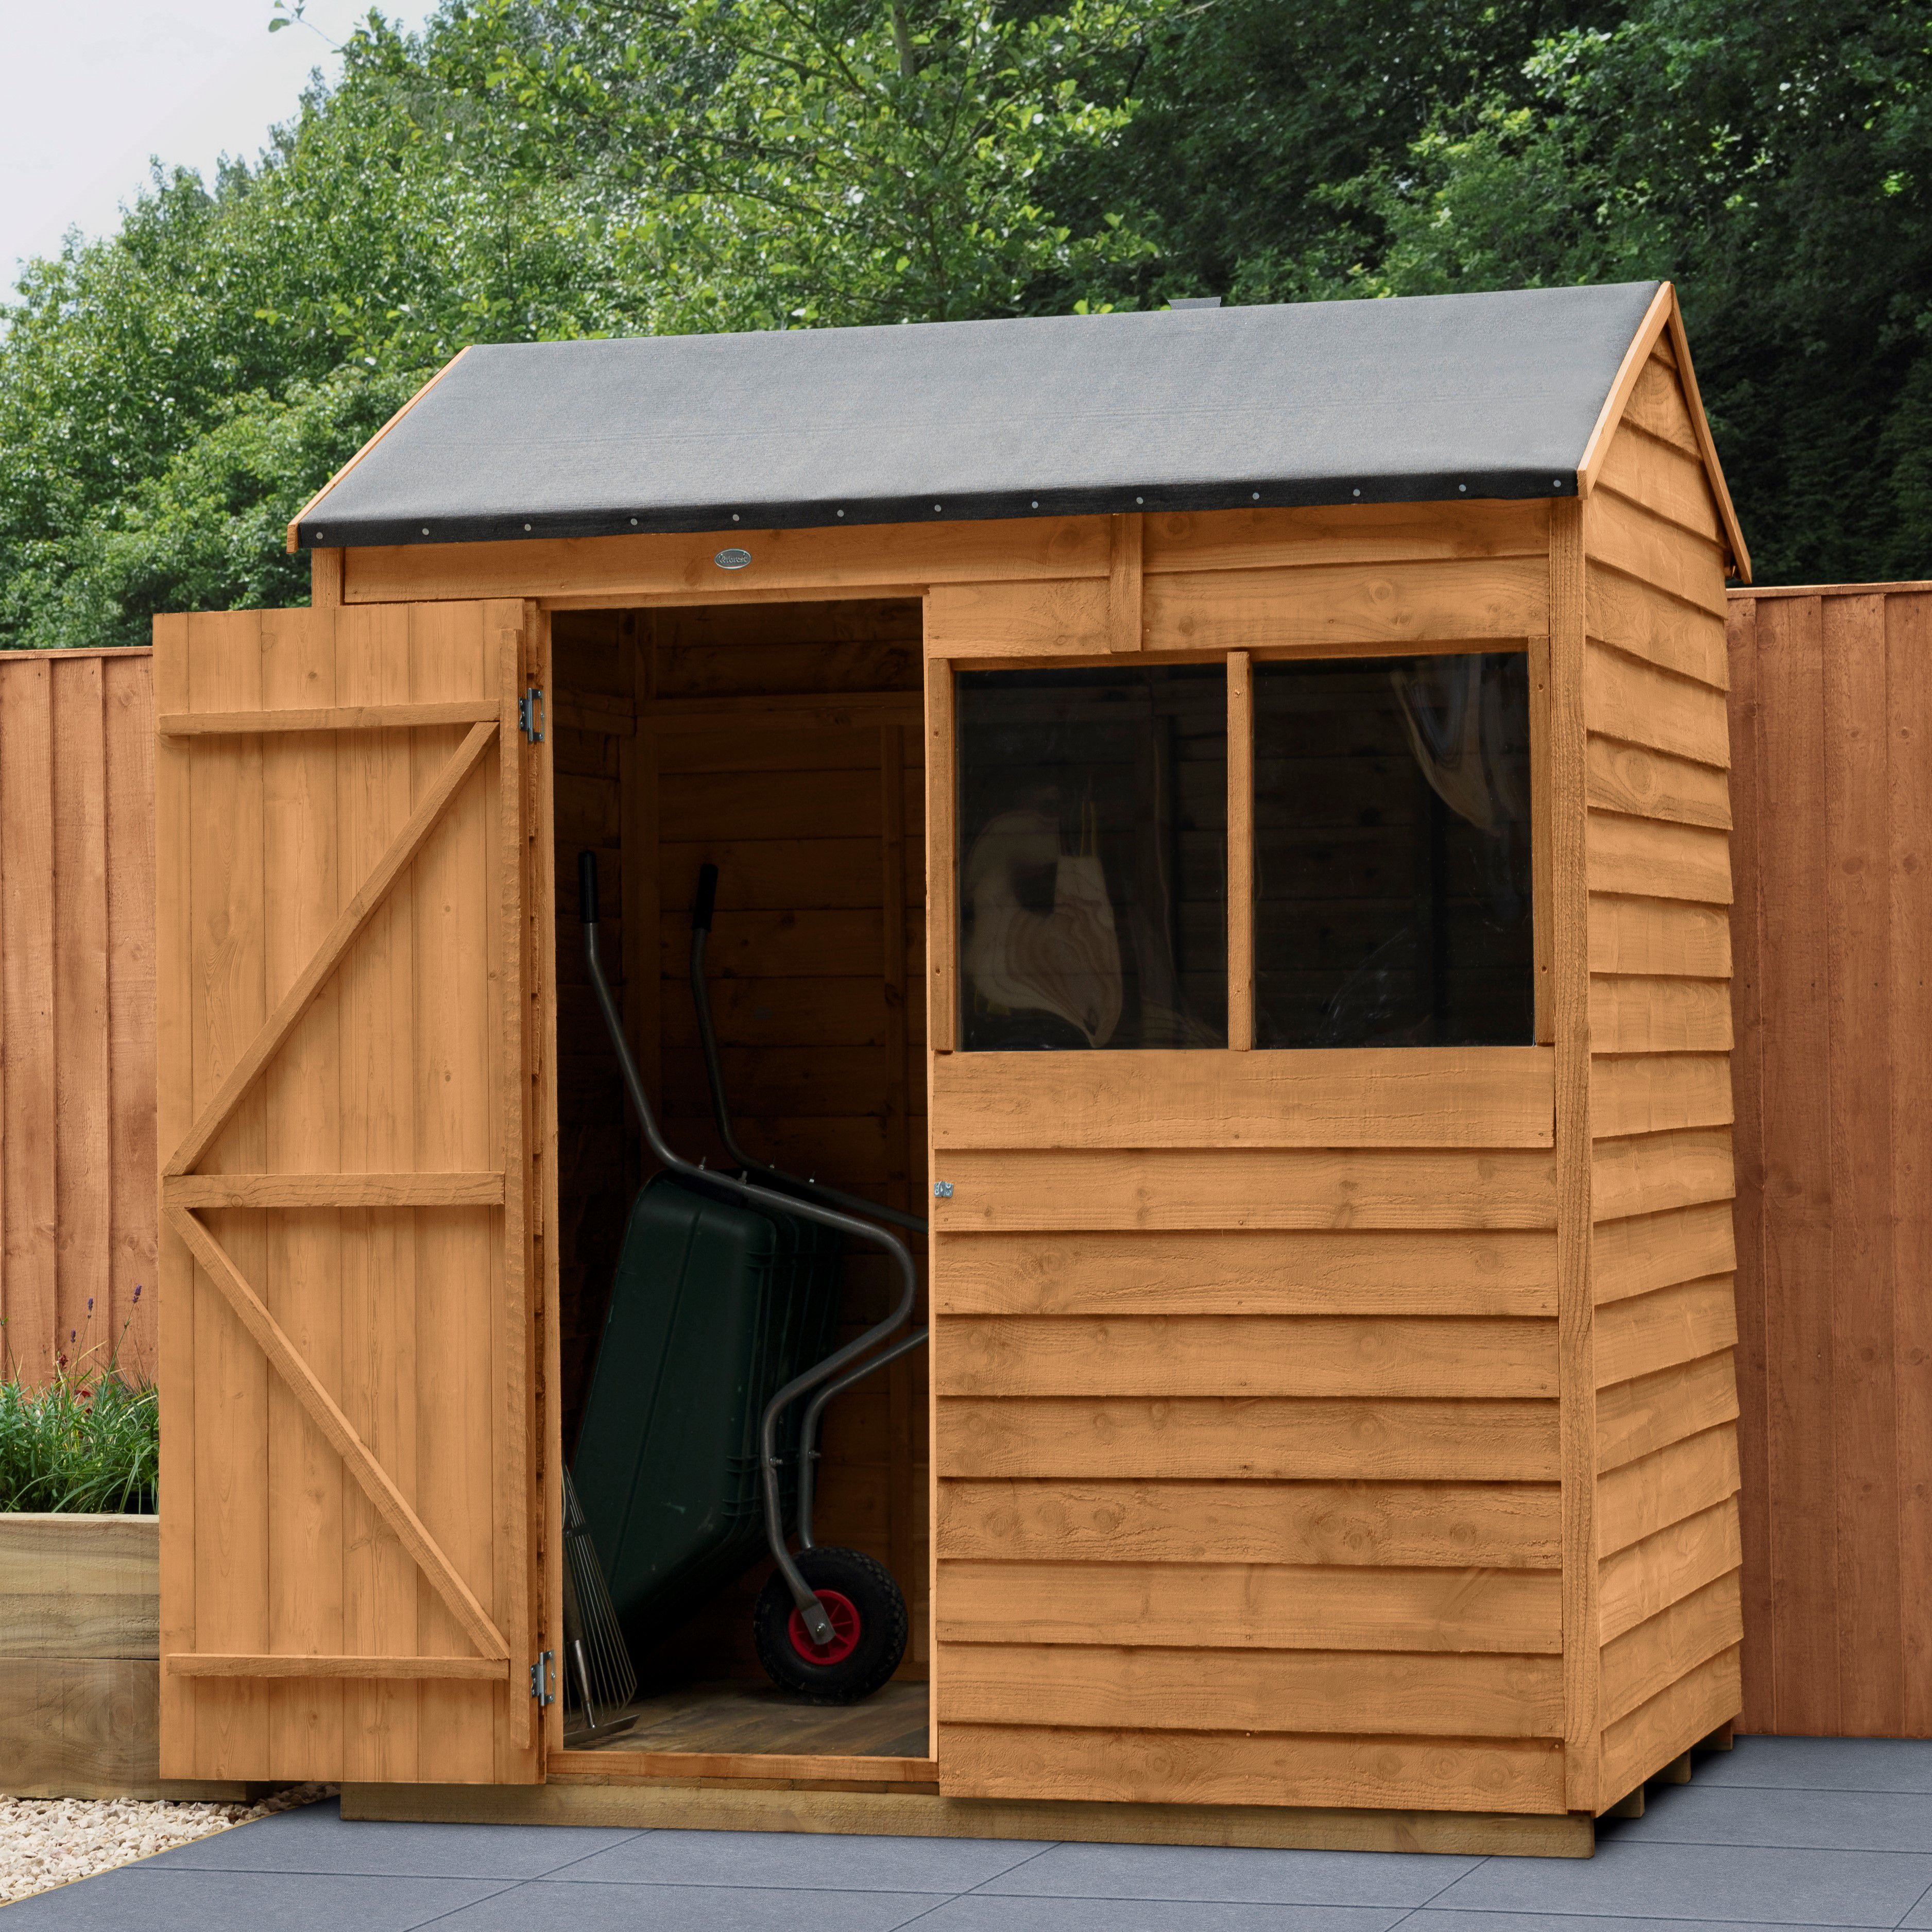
pixel 1240 853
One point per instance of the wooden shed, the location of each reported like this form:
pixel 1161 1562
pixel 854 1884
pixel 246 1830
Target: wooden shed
pixel 1226 809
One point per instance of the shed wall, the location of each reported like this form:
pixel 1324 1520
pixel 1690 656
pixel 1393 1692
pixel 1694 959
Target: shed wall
pixel 77 1209
pixel 1831 715
pixel 1657 856
pixel 1245 1363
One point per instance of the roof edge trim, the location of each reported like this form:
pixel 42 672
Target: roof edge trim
pixel 1656 319
pixel 295 522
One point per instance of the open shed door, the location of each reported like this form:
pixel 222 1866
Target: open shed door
pixel 347 961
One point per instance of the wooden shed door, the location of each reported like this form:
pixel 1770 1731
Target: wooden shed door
pixel 346 964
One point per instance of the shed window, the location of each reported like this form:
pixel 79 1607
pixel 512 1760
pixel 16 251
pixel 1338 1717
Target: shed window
pixel 1392 874
pixel 1092 858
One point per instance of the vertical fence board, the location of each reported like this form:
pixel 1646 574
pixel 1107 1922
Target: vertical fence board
pixel 1832 926
pixel 77 1217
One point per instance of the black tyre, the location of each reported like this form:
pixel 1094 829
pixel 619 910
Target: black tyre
pixel 868 1620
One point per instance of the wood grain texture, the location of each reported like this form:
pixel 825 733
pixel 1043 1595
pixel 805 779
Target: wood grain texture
pixel 1484 1525
pixel 630 1804
pixel 1653 784
pixel 77 1229
pixel 1652 857
pixel 1642 1014
pixel 1231 1605
pixel 1124 582
pixel 1364 1097
pixel 1633 618
pixel 1315 1691
pixel 1637 704
pixel 1654 1093
pixel 1652 1736
pixel 1357 533
pixel 1238 1355
pixel 1649 1659
pixel 1647 1333
pixel 1659 936
pixel 1645 1173
pixel 78 1586
pixel 1209 1437
pixel 1624 536
pixel 671 568
pixel 1178 1188
pixel 1326 1271
pixel 1646 1577
pixel 1829 696
pixel 1635 1418
pixel 383 1312
pixel 1321 607
pixel 1570 1013
pixel 1123 1767
pixel 1670 1483
pixel 1656 1250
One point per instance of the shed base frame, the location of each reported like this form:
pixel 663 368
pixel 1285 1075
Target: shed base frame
pixel 913 1814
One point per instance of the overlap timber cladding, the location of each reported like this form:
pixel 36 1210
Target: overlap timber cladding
pixel 76 1010
pixel 781 742
pixel 1831 715
pixel 1249 1434
pixel 1245 1364
pixel 1658 862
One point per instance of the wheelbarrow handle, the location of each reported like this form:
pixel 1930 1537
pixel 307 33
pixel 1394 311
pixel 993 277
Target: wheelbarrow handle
pixel 706 899
pixel 587 887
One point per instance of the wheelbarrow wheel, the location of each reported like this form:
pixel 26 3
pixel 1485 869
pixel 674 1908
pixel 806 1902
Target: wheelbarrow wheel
pixel 868 1622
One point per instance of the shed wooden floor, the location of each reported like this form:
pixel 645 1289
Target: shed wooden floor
pixel 743 1718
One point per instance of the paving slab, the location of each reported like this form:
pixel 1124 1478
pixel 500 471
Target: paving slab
pixel 991 1912
pixel 798 1861
pixel 317 1839
pixel 1820 1820
pixel 1230 1876
pixel 562 1905
pixel 139 1898
pixel 1821 1764
pixel 1749 1884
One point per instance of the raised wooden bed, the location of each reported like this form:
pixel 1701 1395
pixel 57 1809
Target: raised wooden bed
pixel 80 1659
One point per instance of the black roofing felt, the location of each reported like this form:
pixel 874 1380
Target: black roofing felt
pixel 1418 399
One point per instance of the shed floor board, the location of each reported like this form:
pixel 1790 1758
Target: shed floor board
pixel 757 1719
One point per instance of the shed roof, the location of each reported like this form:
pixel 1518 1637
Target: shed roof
pixel 1424 398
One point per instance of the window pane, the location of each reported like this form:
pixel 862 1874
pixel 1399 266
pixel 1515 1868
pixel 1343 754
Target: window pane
pixel 1392 867
pixel 1092 858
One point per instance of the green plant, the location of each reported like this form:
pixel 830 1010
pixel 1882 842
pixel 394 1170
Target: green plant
pixel 87 1442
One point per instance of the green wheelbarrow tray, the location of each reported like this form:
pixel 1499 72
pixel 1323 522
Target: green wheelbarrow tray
pixel 716 1306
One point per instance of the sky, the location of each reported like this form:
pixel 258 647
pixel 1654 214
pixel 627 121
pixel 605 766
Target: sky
pixel 91 88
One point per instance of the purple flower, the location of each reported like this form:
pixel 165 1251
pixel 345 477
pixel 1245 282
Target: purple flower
pixel 137 1290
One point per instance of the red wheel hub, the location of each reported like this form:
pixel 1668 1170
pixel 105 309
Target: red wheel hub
pixel 844 1615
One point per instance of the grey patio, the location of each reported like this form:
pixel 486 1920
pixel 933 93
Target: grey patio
pixel 1787 1832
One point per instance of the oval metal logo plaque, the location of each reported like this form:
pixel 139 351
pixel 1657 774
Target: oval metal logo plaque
pixel 732 559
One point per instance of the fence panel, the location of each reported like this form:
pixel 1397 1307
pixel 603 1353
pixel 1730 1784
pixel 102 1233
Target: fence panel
pixel 77 1212
pixel 1832 777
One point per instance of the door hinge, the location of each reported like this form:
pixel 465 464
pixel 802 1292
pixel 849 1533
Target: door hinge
pixel 543 1679
pixel 530 713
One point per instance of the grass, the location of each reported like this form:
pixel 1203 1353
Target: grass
pixel 87 1442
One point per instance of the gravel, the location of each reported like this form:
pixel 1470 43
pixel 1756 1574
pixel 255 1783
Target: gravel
pixel 46 1842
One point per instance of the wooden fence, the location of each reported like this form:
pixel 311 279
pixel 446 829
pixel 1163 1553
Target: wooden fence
pixel 77 1006
pixel 1832 936
pixel 1831 784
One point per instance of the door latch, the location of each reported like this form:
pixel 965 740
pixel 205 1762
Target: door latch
pixel 530 713
pixel 543 1679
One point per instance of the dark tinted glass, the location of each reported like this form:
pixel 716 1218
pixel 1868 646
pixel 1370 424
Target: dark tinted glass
pixel 1092 858
pixel 1392 867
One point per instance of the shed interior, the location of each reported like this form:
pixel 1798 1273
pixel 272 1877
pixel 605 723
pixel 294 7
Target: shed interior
pixel 781 742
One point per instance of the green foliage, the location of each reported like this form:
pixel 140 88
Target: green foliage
pixel 88 1442
pixel 527 169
